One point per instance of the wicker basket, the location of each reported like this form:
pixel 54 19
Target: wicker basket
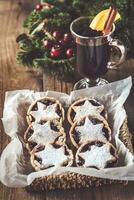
pixel 74 180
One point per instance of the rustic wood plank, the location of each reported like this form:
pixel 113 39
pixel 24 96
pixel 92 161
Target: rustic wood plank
pixel 52 83
pixel 101 193
pixel 13 76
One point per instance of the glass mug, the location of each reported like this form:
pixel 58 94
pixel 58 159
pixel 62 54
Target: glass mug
pixel 93 54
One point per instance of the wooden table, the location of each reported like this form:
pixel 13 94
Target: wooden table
pixel 13 77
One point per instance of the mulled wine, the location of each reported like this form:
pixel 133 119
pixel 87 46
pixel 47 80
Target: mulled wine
pixel 92 61
pixel 93 52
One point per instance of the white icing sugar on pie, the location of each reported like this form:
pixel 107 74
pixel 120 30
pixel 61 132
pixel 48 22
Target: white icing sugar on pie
pixel 43 134
pixel 45 112
pixel 87 109
pixel 90 131
pixel 53 157
pixel 97 156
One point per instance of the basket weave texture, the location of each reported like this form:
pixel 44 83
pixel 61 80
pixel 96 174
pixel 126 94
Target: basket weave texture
pixel 74 180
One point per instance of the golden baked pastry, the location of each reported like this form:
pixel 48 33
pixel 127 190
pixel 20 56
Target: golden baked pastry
pixel 43 134
pixel 51 155
pixel 45 109
pixel 97 155
pixel 85 107
pixel 89 129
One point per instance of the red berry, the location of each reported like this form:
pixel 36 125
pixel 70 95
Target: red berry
pixel 46 43
pixel 38 7
pixel 67 37
pixel 56 35
pixel 56 51
pixel 69 52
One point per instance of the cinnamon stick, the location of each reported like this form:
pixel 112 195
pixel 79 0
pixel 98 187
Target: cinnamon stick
pixel 110 20
pixel 110 11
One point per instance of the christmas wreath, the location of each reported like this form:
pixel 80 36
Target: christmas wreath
pixel 48 43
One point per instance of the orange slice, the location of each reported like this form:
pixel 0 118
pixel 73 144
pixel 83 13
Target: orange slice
pixel 99 20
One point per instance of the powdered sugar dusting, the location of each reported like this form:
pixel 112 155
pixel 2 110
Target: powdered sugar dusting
pixel 87 109
pixel 97 156
pixel 53 157
pixel 90 131
pixel 45 112
pixel 43 134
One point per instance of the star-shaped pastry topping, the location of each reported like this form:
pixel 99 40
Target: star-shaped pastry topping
pixel 52 157
pixel 45 112
pixel 97 156
pixel 90 131
pixel 43 134
pixel 87 109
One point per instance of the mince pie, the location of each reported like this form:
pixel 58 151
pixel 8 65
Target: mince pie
pixel 43 134
pixel 89 129
pixel 97 155
pixel 45 109
pixel 85 107
pixel 51 155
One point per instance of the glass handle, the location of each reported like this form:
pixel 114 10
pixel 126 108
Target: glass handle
pixel 117 46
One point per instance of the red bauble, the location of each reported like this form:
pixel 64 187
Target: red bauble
pixel 69 52
pixel 56 51
pixel 46 43
pixel 67 37
pixel 38 7
pixel 56 35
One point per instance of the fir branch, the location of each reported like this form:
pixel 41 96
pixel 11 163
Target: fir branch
pixel 37 17
pixel 37 39
pixel 60 21
pixel 26 44
pixel 26 57
pixel 57 67
pixel 33 18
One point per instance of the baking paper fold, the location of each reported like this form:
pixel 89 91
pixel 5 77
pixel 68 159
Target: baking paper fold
pixel 15 167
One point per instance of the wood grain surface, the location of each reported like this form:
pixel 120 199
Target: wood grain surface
pixel 14 77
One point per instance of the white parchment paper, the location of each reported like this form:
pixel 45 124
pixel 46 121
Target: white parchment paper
pixel 15 168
